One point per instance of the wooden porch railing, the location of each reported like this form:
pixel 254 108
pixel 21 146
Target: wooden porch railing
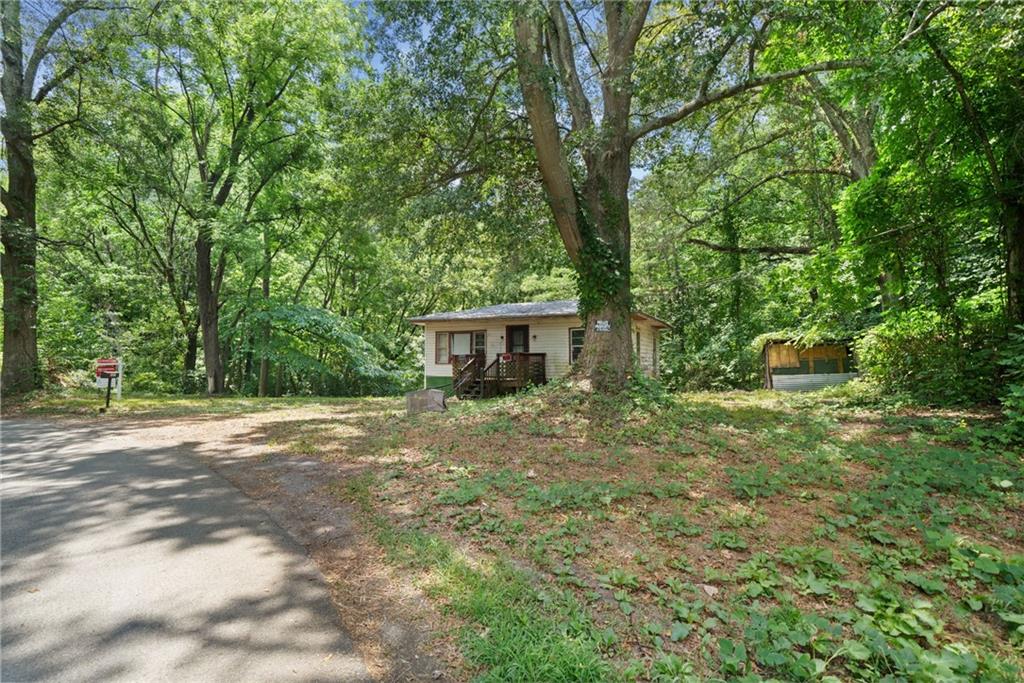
pixel 506 374
pixel 467 374
pixel 511 372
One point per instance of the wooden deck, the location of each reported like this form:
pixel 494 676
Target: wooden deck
pixel 474 377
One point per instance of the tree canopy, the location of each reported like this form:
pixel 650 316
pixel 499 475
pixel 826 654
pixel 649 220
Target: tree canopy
pixel 255 197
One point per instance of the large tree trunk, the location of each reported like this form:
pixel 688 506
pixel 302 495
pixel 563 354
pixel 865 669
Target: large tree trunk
pixel 209 314
pixel 264 384
pixel 264 381
pixel 592 220
pixel 731 235
pixel 1013 233
pixel 191 354
pixel 603 272
pixel 279 380
pixel 191 349
pixel 1013 227
pixel 18 233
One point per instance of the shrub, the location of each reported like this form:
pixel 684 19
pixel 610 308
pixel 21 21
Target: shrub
pixel 1011 359
pixel 719 362
pixel 148 382
pixel 933 359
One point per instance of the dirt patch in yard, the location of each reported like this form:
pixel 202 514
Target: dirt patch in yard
pixel 677 528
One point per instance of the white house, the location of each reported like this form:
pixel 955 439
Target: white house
pixel 497 349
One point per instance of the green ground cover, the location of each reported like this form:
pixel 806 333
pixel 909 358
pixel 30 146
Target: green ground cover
pixel 733 536
pixel 705 536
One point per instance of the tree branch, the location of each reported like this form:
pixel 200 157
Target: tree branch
pixel 581 29
pixel 973 118
pixel 767 250
pixel 554 167
pixel 912 30
pixel 562 52
pixel 635 25
pixel 788 173
pixel 702 101
pixel 59 78
pixel 42 46
pixel 66 122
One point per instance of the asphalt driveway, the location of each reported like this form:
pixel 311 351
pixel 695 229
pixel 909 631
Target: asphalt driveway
pixel 128 561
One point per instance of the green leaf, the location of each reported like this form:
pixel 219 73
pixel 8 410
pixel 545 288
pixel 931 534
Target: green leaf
pixel 680 631
pixel 867 604
pixel 987 565
pixel 856 650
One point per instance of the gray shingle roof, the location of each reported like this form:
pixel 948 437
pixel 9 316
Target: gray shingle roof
pixel 532 309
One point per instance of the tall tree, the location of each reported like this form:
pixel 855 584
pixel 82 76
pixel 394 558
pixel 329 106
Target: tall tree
pixel 985 76
pixel 55 59
pixel 241 80
pixel 693 57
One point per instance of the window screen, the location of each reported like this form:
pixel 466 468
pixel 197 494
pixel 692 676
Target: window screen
pixel 461 342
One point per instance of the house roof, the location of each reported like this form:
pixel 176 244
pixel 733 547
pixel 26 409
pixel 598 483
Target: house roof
pixel 532 309
pixel 793 341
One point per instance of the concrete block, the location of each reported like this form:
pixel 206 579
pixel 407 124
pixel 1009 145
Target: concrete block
pixel 424 401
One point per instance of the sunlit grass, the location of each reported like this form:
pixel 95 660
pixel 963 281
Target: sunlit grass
pixel 84 402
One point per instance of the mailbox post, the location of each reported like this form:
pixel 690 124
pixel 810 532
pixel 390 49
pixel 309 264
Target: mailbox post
pixel 109 376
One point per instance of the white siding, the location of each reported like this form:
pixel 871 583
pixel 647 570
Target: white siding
pixel 648 338
pixel 552 339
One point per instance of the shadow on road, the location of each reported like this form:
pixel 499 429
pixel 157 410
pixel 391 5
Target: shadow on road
pixel 129 562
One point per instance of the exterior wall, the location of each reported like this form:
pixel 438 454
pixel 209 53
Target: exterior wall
pixel 648 343
pixel 810 382
pixel 788 359
pixel 790 368
pixel 552 339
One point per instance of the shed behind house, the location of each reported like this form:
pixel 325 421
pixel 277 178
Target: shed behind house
pixel 791 367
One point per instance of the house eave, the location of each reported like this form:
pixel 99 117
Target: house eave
pixel 490 318
pixel 424 321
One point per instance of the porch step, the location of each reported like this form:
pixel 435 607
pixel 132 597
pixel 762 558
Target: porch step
pixel 474 389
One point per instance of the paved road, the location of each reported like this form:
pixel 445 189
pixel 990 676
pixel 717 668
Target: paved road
pixel 128 561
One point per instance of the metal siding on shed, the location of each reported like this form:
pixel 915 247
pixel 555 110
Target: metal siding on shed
pixel 810 382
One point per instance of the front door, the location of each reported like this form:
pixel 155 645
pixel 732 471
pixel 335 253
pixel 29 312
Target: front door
pixel 517 339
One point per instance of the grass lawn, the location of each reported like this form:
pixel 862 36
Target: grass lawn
pixel 135 404
pixel 731 536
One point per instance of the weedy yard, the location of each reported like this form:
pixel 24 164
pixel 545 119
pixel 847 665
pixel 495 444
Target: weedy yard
pixel 735 536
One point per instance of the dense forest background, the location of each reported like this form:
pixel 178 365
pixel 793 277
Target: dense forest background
pixel 313 174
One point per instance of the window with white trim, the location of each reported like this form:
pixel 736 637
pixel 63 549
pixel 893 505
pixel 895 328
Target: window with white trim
pixel 576 335
pixel 459 344
pixel 441 348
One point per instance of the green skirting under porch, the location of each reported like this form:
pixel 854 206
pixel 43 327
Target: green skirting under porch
pixel 438 382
